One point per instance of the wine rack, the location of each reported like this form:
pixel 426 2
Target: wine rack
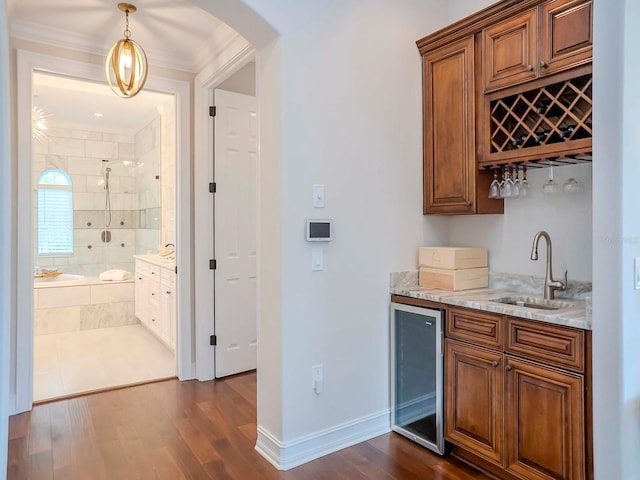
pixel 549 125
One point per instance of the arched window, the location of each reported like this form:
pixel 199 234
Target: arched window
pixel 55 213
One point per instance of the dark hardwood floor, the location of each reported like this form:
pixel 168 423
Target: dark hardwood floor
pixel 189 430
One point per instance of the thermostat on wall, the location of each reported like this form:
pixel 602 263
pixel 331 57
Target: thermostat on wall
pixel 319 230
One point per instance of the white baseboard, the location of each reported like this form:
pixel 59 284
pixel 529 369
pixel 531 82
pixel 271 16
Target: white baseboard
pixel 287 455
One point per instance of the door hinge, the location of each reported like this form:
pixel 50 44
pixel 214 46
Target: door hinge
pixel 213 340
pixel 212 111
pixel 176 269
pixel 212 187
pixel 213 264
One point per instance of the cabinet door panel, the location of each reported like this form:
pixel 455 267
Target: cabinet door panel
pixel 474 399
pixel 545 422
pixel 566 34
pixel 449 149
pixel 141 305
pixel 510 51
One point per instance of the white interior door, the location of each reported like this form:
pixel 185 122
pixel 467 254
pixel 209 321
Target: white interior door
pixel 235 167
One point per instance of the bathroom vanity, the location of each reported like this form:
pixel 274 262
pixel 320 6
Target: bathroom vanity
pixel 155 296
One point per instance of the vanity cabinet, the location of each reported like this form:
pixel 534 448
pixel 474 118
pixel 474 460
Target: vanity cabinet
pixel 155 304
pixel 544 40
pixel 518 408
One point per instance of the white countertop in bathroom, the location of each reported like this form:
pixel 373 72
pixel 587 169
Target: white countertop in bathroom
pixel 574 315
pixel 157 260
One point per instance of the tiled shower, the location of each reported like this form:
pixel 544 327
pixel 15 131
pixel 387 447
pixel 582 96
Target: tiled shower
pixel 135 190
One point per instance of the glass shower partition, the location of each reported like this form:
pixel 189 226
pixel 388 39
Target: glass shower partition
pixel 417 339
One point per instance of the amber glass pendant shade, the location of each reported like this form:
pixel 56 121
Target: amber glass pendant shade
pixel 126 67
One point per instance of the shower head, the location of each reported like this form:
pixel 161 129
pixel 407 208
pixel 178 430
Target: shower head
pixel 106 178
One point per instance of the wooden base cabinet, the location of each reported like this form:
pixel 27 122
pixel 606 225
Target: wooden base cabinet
pixel 523 419
pixel 544 422
pixel 474 399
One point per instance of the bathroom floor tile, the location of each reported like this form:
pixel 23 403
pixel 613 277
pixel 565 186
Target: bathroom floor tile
pixel 75 362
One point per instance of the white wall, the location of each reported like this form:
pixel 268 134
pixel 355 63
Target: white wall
pixel 567 219
pixel 630 411
pixel 350 106
pixel 243 81
pixel 5 241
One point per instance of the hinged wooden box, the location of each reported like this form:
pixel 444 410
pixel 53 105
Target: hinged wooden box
pixel 454 280
pixel 452 258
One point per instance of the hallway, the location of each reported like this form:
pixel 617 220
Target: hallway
pixel 189 430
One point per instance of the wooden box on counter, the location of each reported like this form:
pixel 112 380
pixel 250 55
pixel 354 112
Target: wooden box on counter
pixel 452 258
pixel 454 280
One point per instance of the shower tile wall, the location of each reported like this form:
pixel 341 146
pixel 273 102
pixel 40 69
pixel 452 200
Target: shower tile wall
pixel 147 151
pixel 80 153
pixel 168 174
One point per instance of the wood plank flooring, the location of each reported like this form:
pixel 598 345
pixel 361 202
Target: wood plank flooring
pixel 190 430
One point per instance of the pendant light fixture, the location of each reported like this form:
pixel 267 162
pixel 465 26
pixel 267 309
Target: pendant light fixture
pixel 126 66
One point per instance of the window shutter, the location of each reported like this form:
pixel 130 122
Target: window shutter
pixel 55 221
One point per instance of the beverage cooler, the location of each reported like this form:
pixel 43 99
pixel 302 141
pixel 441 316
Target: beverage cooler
pixel 417 340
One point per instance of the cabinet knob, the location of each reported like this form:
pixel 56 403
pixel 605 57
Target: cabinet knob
pixel 529 68
pixel 468 204
pixel 153 294
pixel 509 368
pixel 543 64
pixel 495 363
pixel 168 292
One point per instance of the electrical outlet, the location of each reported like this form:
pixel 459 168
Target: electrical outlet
pixel 317 378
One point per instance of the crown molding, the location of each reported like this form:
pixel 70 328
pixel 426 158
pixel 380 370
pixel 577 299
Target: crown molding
pixel 57 37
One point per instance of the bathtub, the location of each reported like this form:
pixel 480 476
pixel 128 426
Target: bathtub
pixel 69 302
pixel 64 280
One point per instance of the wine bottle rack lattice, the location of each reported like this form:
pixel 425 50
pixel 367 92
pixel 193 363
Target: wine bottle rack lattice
pixel 556 113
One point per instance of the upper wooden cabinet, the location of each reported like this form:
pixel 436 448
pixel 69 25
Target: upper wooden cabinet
pixel 554 36
pixel 452 184
pixel 566 38
pixel 510 51
pixel 510 84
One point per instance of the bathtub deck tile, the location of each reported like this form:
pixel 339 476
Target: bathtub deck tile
pixel 64 297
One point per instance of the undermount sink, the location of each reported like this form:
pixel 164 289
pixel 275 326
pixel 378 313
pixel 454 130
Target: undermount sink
pixel 534 302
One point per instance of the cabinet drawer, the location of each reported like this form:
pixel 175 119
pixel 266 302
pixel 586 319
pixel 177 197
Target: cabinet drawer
pixel 167 278
pixel 481 328
pixel 549 344
pixel 142 268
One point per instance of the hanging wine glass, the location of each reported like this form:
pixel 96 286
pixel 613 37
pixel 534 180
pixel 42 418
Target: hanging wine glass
pixel 524 184
pixel 515 189
pixel 550 187
pixel 506 189
pixel 571 186
pixel 494 188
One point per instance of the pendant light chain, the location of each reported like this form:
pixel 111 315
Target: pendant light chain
pixel 127 32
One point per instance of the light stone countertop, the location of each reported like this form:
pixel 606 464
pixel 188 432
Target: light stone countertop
pixel 573 314
pixel 157 260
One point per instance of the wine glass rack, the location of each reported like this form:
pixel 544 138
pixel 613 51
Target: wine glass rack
pixel 549 125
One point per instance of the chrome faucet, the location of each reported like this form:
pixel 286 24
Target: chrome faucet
pixel 550 285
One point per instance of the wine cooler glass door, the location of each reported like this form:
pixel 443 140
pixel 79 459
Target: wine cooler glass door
pixel 416 375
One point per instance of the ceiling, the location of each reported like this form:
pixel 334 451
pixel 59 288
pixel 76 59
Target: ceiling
pixel 72 103
pixel 173 33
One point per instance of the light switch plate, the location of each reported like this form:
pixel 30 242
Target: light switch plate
pixel 636 273
pixel 318 195
pixel 317 261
